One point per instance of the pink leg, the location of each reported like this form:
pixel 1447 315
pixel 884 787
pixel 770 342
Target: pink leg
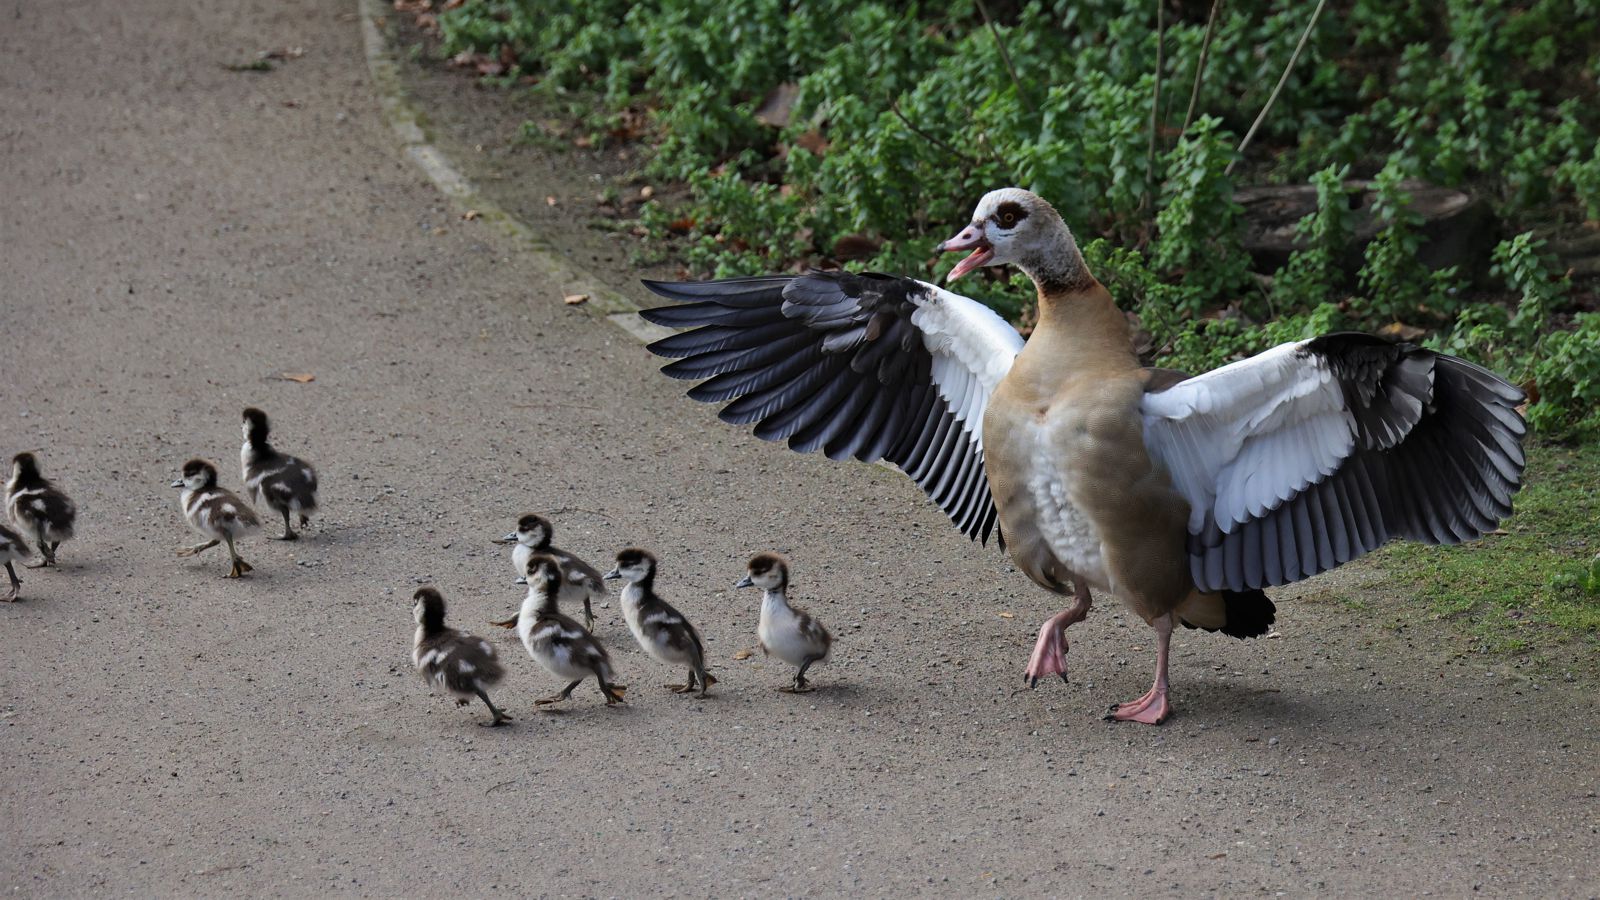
pixel 1050 650
pixel 1152 708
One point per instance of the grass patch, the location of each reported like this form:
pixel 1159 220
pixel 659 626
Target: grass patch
pixel 1541 576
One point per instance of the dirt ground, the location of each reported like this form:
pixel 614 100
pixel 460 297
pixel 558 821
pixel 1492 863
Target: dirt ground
pixel 175 235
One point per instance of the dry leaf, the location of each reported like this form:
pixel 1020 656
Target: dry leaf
pixel 743 654
pixel 471 215
pixel 298 377
pixel 575 299
pixel 812 141
pixel 1008 615
pixel 1400 331
pixel 551 200
pixel 1217 856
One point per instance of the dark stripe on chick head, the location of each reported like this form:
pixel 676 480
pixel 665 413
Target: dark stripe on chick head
pixel 762 563
pixel 544 570
pixel 198 466
pixel 539 524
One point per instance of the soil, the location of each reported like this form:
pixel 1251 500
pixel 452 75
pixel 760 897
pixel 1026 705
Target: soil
pixel 177 235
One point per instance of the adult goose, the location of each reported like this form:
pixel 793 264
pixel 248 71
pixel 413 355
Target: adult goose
pixel 1183 497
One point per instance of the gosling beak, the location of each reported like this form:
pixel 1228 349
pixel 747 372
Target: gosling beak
pixel 970 238
pixel 744 582
pixel 178 483
pixel 508 539
pixel 612 575
pixel 521 579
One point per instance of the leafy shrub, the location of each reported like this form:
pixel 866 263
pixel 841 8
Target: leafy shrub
pixel 904 114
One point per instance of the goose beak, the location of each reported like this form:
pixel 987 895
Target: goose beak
pixel 521 579
pixel 612 575
pixel 507 539
pixel 178 483
pixel 744 582
pixel 970 238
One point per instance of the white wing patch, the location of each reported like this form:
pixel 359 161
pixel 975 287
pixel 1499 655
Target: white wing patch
pixel 1240 440
pixel 973 349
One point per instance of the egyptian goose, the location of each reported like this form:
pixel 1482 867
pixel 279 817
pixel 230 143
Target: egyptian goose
pixel 217 513
pixel 662 632
pixel 278 481
pixel 559 644
pixel 463 664
pixel 790 634
pixel 1183 497
pixel 579 580
pixel 39 508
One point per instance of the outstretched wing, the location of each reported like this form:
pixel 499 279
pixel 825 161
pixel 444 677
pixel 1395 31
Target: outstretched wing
pixel 870 366
pixel 1315 452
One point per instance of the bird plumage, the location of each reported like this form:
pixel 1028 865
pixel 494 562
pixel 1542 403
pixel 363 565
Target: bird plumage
pixel 1182 496
pixel 559 644
pixel 661 631
pixel 215 512
pixel 580 582
pixel 462 664
pixel 12 549
pixel 787 632
pixel 41 510
pixel 282 483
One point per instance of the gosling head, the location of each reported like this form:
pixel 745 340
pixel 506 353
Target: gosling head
pixel 532 531
pixel 428 608
pixel 24 467
pixel 255 426
pixel 543 573
pixel 198 475
pixel 767 571
pixel 634 565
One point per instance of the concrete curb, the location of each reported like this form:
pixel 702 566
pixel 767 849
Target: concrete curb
pixel 565 277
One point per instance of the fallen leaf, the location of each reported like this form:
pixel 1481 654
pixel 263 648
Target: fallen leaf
pixel 298 377
pixel 743 654
pixel 1400 331
pixel 551 200
pixel 1008 615
pixel 575 299
pixel 812 141
pixel 427 21
pixel 471 215
pixel 1217 856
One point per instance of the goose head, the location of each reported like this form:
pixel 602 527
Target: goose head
pixel 1011 226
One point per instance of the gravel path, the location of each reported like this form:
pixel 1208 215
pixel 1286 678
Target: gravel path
pixel 175 235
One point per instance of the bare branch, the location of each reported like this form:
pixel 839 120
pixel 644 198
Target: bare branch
pixel 1155 99
pixel 1200 67
pixel 894 107
pixel 1281 80
pixel 1004 56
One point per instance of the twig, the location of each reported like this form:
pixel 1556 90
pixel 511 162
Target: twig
pixel 1282 79
pixel 894 107
pixel 1200 67
pixel 1155 99
pixel 1004 56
